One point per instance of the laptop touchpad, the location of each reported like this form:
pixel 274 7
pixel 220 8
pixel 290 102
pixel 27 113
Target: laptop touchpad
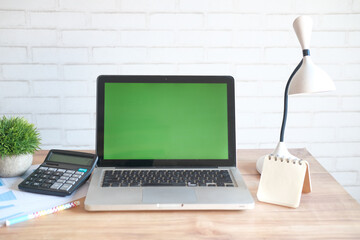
pixel 168 195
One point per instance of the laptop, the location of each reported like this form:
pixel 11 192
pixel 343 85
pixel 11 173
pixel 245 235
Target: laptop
pixel 166 143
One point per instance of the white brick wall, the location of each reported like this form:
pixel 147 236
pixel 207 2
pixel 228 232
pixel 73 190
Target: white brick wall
pixel 51 52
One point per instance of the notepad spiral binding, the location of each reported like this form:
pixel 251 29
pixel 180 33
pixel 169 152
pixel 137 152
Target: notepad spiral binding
pixel 284 159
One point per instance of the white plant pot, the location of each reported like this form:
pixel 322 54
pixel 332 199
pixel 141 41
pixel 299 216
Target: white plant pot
pixel 12 166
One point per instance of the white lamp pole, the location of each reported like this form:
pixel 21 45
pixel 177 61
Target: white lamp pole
pixel 306 78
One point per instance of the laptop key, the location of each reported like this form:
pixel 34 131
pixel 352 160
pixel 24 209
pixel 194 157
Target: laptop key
pixel 211 184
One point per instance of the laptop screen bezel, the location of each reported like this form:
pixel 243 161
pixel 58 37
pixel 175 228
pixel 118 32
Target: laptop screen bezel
pixel 100 101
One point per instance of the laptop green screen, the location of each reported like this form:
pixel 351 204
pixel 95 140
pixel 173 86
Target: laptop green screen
pixel 165 121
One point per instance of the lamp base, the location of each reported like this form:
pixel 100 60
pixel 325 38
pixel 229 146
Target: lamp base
pixel 280 151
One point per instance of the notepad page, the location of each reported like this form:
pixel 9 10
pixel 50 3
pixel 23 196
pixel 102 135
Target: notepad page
pixel 282 181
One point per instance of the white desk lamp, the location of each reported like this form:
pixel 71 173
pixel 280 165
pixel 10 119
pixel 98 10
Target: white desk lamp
pixel 306 78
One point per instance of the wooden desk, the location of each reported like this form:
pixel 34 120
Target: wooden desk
pixel 328 212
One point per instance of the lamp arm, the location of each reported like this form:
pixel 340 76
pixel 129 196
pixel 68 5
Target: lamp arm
pixel 286 95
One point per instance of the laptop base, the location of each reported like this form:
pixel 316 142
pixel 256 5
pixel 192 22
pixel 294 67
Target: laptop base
pixel 167 198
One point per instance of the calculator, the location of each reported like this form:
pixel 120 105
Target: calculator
pixel 61 173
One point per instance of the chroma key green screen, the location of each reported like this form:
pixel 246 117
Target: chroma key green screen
pixel 165 121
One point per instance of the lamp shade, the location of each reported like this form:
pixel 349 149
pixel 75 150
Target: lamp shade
pixel 310 79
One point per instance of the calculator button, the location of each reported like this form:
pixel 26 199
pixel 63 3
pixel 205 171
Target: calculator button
pixel 27 182
pixel 66 174
pixel 45 176
pixel 48 172
pixel 57 174
pixel 64 177
pixel 76 176
pixel 73 179
pixel 40 180
pixel 35 184
pixel 43 168
pixel 66 187
pixel 70 171
pixel 61 181
pixel 49 181
pixel 52 169
pixel 35 175
pixel 81 173
pixel 70 182
pixel 56 185
pixel 54 177
pixel 45 185
pixel 61 170
pixel 32 178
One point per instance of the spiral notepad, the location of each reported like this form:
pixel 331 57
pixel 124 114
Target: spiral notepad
pixel 283 180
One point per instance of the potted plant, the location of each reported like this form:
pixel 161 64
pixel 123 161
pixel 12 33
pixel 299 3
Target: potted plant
pixel 19 139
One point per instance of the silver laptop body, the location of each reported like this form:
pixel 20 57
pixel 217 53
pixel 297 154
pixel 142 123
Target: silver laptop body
pixel 151 125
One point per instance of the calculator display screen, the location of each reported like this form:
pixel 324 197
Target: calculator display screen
pixel 62 158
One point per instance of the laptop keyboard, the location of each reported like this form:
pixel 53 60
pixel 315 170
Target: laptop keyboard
pixel 182 178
